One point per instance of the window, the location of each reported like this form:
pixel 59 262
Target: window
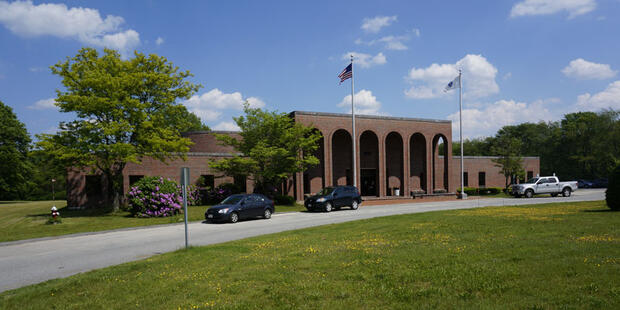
pixel 93 185
pixel 134 178
pixel 482 182
pixel 465 179
pixel 239 180
pixel 530 174
pixel 208 180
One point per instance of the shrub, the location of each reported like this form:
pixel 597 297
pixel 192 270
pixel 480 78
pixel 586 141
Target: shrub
pixel 612 194
pixel 155 197
pixel 470 191
pixel 194 197
pixel 284 200
pixel 222 191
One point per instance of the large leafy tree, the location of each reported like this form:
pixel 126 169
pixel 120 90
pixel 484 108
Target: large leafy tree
pixel 14 146
pixel 272 148
pixel 126 110
pixel 508 150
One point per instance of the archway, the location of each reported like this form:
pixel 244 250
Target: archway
pixel 394 164
pixel 369 164
pixel 440 164
pixel 342 161
pixel 417 164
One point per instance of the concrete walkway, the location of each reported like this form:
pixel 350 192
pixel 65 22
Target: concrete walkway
pixel 29 262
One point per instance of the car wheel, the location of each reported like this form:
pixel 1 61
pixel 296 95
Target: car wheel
pixel 354 205
pixel 328 207
pixel 234 217
pixel 566 192
pixel 529 193
pixel 267 214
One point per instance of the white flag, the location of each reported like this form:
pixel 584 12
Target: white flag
pixel 456 83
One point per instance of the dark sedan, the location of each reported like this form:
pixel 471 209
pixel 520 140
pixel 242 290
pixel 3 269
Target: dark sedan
pixel 335 197
pixel 241 206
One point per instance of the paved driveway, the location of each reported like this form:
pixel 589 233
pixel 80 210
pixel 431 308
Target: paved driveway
pixel 33 261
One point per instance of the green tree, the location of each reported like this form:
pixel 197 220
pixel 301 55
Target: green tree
pixel 46 168
pixel 14 146
pixel 272 148
pixel 126 109
pixel 473 147
pixel 509 159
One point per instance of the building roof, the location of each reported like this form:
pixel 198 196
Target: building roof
pixel 427 120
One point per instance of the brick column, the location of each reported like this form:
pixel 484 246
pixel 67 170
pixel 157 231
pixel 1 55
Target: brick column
pixel 382 180
pixel 299 186
pixel 327 160
pixel 430 155
pixel 406 170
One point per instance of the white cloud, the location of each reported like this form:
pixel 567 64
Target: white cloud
pixel 416 31
pixel 389 42
pixel 365 103
pixel 83 24
pixel 585 70
pixel 227 126
pixel 545 7
pixel 44 104
pixel 478 78
pixel 365 60
pixel 487 120
pixel 374 25
pixel 159 41
pixel 609 98
pixel 209 105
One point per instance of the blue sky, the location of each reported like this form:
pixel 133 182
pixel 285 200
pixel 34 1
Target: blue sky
pixel 522 60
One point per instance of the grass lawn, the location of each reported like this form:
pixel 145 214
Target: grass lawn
pixel 25 220
pixel 536 257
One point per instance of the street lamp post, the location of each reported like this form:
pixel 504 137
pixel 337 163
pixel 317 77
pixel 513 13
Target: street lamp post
pixel 53 192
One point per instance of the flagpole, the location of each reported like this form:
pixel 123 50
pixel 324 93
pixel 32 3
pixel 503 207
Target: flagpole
pixel 353 125
pixel 463 194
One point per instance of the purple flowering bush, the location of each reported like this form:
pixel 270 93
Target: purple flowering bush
pixel 155 197
pixel 193 195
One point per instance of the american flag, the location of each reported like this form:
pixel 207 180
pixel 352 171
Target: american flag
pixel 347 73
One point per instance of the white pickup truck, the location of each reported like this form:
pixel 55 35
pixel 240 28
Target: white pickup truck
pixel 544 185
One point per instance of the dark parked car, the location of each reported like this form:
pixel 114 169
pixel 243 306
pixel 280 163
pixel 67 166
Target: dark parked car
pixel 241 206
pixel 335 197
pixel 600 183
pixel 585 184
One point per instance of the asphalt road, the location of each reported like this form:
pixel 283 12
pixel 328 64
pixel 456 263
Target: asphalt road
pixel 32 261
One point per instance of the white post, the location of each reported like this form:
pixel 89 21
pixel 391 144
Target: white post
pixel 463 194
pixel 354 138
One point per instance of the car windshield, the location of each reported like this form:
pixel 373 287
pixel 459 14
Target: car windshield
pixel 326 191
pixel 232 200
pixel 532 180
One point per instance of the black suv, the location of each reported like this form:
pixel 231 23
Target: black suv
pixel 335 197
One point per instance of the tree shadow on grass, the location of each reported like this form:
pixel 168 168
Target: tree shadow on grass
pixel 69 213
pixel 601 210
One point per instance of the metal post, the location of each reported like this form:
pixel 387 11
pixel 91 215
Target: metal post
pixel 463 194
pixel 184 181
pixel 354 138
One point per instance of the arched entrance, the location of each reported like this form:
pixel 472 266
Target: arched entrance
pixel 440 164
pixel 394 164
pixel 369 164
pixel 342 161
pixel 417 164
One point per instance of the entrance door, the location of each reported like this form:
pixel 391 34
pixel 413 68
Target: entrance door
pixel 369 182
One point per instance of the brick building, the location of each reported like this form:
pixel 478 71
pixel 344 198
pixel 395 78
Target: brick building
pixel 395 156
